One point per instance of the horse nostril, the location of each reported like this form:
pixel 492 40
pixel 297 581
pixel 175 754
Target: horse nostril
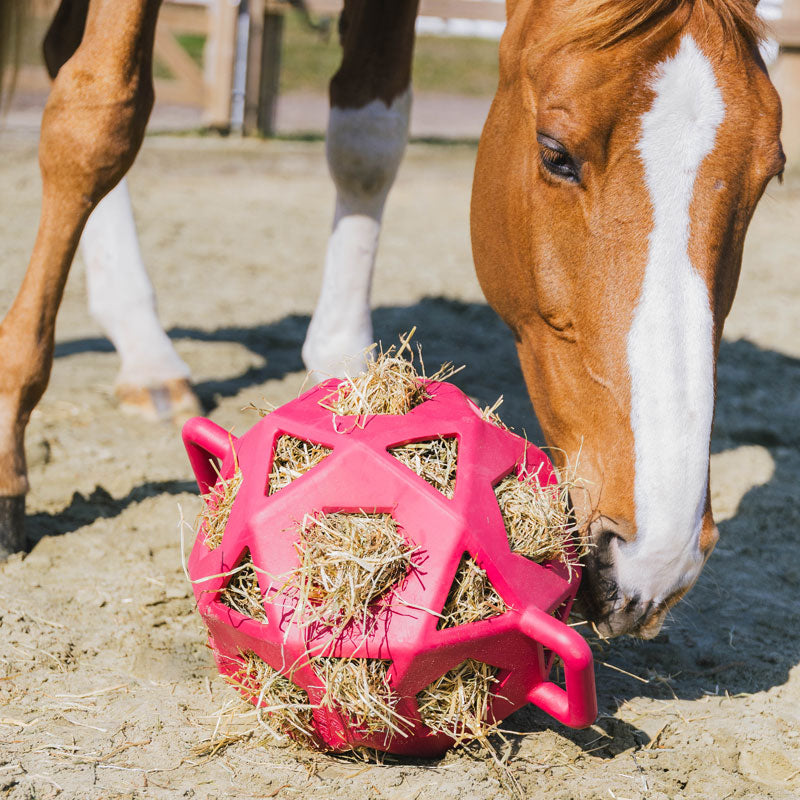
pixel 605 533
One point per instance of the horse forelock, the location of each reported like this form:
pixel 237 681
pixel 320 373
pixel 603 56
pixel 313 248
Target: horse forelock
pixel 599 24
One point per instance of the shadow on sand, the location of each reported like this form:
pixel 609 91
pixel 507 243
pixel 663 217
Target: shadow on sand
pixel 748 592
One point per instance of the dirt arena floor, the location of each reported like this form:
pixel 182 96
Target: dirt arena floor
pixel 106 686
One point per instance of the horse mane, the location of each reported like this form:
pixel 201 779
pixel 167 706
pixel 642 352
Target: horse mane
pixel 600 24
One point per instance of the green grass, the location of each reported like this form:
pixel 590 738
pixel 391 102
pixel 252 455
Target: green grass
pixel 307 61
pixel 455 65
pixel 451 65
pixel 193 44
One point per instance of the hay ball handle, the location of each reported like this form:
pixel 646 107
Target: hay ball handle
pixel 206 444
pixel 577 706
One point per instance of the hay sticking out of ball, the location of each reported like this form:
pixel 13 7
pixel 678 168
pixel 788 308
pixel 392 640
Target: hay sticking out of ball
pixel 458 703
pixel 293 457
pixel 471 598
pixel 434 460
pixel 242 592
pixel 348 561
pixel 284 708
pixel 537 519
pixel 359 688
pixel 390 384
pixel 217 505
pixel 489 414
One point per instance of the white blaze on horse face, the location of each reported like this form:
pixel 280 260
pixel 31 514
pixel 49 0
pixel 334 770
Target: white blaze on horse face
pixel 364 148
pixel 121 297
pixel 670 343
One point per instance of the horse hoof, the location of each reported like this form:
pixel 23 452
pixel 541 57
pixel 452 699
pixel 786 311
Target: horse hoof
pixel 171 401
pixel 12 526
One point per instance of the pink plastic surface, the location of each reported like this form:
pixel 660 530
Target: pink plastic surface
pixel 360 475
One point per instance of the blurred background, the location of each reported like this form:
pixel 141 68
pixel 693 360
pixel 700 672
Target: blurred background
pixel 263 66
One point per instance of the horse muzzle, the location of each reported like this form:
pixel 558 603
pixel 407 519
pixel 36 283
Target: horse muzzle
pixel 601 600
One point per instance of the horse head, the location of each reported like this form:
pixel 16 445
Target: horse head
pixel 625 152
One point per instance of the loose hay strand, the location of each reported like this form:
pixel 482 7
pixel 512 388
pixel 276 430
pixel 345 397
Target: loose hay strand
pixel 457 704
pixel 293 457
pixel 434 460
pixel 243 594
pixel 390 384
pixel 471 598
pixel 489 414
pixel 347 562
pixel 359 688
pixel 284 708
pixel 217 505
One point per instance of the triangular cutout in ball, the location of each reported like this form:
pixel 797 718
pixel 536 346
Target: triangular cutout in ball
pixel 242 592
pixel 292 458
pixel 434 460
pixel 471 598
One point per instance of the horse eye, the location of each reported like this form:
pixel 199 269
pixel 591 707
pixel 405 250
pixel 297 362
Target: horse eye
pixel 556 160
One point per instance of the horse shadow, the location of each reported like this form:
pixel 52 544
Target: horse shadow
pixel 730 633
pixel 464 333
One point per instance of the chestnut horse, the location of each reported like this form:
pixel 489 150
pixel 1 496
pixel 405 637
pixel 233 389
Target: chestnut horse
pixel 627 146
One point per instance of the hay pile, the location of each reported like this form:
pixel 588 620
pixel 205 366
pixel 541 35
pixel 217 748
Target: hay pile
pixel 458 703
pixel 359 688
pixel 434 460
pixel 348 564
pixel 284 708
pixel 391 383
pixel 538 520
pixel 348 561
pixel 293 457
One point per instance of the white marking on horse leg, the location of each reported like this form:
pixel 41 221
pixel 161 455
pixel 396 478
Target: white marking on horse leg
pixel 364 147
pixel 121 297
pixel 670 343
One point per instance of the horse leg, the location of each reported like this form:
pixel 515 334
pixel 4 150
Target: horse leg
pixel 153 381
pixel 92 128
pixel 370 98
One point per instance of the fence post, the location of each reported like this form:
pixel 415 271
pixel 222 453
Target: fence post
pixel 255 43
pixel 786 76
pixel 269 68
pixel 220 52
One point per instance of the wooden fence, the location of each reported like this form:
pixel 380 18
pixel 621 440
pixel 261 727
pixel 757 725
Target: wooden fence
pixel 264 48
pixel 186 84
pixel 209 85
pixel 266 27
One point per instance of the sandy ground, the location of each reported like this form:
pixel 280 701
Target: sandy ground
pixel 106 686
